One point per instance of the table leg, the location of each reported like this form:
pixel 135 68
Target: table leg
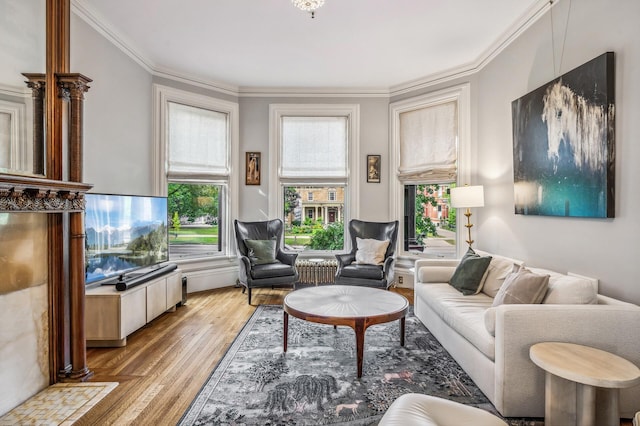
pixel 586 405
pixel 285 333
pixel 359 329
pixel 608 411
pixel 402 331
pixel 560 401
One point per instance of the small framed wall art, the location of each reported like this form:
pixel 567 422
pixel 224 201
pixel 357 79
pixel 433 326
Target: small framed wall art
pixel 252 176
pixel 373 168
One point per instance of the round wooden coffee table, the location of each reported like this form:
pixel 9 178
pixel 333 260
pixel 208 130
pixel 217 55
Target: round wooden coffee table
pixel 569 403
pixel 356 307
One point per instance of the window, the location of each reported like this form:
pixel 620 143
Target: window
pixel 316 148
pixel 430 222
pixel 194 211
pixel 430 154
pixel 196 134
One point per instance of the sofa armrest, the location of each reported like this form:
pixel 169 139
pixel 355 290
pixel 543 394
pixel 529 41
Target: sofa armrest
pixel 435 274
pixel 436 262
pixel 520 383
pixel 345 259
pixel 434 270
pixel 286 257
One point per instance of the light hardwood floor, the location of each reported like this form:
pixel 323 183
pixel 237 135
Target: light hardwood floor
pixel 165 363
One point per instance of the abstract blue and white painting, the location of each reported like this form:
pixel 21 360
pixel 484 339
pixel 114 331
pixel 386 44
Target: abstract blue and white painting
pixel 563 144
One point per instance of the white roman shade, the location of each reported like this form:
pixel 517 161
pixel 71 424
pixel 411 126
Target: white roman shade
pixel 198 141
pixel 314 147
pixel 428 144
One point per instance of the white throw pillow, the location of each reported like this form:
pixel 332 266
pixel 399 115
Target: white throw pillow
pixel 523 286
pixel 370 251
pixel 497 271
pixel 568 290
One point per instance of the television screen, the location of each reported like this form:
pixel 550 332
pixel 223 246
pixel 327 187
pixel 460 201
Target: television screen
pixel 123 233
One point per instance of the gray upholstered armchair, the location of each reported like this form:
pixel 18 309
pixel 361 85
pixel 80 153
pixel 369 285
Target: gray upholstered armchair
pixel 262 263
pixel 351 271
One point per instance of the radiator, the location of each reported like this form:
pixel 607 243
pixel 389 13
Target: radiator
pixel 316 271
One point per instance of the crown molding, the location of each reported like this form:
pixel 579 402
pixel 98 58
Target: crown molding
pixel 225 88
pixel 97 22
pixel 535 11
pixel 317 92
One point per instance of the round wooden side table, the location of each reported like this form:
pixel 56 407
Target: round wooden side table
pixel 574 374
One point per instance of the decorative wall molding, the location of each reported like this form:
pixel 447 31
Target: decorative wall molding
pixel 26 194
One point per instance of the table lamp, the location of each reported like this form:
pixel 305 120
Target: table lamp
pixel 467 197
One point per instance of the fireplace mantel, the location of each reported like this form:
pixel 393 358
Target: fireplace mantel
pixel 32 194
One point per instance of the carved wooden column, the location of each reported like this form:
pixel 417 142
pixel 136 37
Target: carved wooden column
pixel 36 82
pixel 72 88
pixel 58 48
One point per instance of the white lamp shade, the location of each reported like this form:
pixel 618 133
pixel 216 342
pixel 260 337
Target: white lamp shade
pixel 467 196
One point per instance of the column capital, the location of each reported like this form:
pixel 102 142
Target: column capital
pixel 73 85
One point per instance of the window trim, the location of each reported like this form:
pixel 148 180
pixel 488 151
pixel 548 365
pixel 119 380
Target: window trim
pixel 162 95
pixel 18 152
pixel 276 184
pixel 459 94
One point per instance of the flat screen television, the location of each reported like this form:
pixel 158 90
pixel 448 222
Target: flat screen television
pixel 123 233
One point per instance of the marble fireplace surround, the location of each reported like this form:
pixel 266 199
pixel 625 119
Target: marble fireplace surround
pixel 24 307
pixel 25 336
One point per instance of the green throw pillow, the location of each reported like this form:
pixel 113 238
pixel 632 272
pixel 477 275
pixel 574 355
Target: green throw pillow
pixel 261 251
pixel 468 275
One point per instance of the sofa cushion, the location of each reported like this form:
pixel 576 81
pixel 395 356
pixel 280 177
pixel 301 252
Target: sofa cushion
pixel 523 286
pixel 272 270
pixel 498 269
pixel 367 272
pixel 568 290
pixel 462 313
pixel 371 251
pixel 490 320
pixel 469 273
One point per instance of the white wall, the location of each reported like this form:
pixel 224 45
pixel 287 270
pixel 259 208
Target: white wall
pixel 118 137
pixel 117 107
pixel 606 249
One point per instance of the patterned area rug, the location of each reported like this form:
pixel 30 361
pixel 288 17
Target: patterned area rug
pixel 315 382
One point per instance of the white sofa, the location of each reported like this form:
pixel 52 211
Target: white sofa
pixel 499 364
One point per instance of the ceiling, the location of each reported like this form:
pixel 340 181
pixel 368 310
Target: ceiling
pixel 350 44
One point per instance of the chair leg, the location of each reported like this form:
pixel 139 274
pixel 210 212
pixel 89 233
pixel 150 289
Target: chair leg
pixel 249 295
pixel 243 289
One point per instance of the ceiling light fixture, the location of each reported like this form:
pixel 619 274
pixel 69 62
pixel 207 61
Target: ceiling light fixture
pixel 308 5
